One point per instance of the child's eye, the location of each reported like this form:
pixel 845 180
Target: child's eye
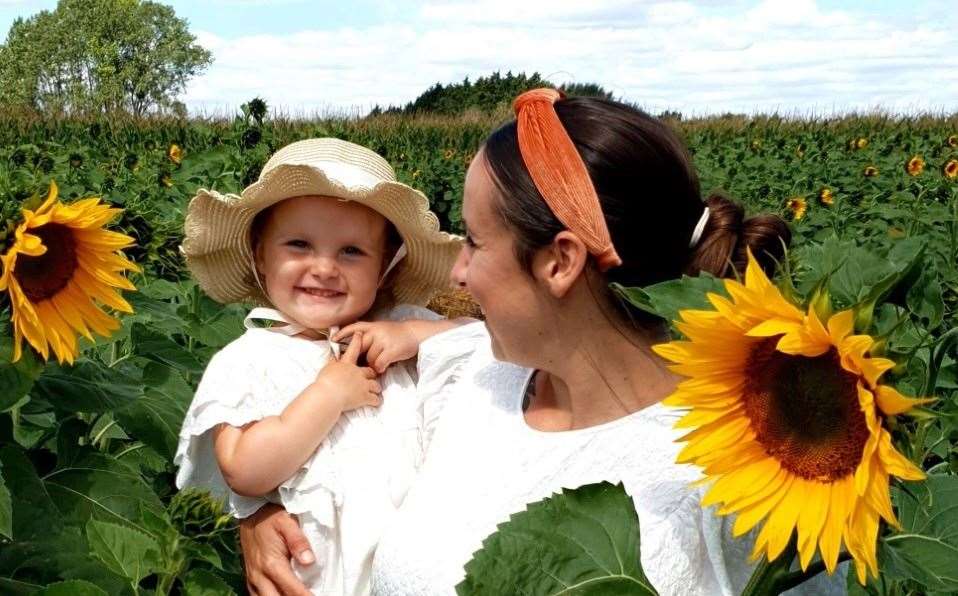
pixel 297 243
pixel 353 251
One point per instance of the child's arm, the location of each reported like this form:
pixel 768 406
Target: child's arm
pixel 256 458
pixel 386 342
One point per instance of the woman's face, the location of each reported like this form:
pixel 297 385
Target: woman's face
pixel 487 265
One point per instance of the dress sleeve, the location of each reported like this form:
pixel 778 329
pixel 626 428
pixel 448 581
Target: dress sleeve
pixel 225 395
pixel 442 359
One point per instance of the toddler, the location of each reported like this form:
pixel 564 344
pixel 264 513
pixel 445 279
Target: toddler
pixel 286 414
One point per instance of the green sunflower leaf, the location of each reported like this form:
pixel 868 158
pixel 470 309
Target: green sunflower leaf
pixel 667 298
pixel 200 582
pixel 123 550
pixel 926 549
pixel 73 587
pixel 579 542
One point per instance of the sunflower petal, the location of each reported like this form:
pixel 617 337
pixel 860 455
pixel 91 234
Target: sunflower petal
pixel 891 402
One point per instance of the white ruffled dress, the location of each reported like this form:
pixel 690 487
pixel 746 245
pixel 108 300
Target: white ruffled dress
pixel 347 492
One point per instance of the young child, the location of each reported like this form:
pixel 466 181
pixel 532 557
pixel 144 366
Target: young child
pixel 283 414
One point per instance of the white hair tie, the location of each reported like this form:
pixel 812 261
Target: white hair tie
pixel 699 228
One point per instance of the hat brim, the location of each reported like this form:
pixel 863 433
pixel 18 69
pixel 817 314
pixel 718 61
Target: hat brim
pixel 217 247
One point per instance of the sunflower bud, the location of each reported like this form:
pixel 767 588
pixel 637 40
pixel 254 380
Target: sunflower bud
pixel 821 302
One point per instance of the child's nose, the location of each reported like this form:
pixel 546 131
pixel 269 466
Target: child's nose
pixel 324 267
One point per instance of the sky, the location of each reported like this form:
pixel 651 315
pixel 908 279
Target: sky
pixel 790 57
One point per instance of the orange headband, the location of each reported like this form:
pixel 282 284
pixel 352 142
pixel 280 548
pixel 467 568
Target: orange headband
pixel 559 173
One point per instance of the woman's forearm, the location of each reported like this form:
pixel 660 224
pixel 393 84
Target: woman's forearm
pixel 257 458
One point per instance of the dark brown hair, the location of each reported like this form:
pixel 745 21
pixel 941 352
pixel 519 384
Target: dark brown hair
pixel 649 194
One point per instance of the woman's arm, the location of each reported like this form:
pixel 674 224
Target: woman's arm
pixel 269 538
pixel 256 458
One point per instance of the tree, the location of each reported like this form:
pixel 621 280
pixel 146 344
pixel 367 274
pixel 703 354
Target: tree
pixel 99 56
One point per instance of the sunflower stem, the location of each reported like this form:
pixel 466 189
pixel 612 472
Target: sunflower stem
pixel 797 578
pixel 945 342
pixel 768 574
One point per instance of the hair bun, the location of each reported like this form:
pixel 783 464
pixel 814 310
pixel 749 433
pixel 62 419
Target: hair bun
pixel 728 235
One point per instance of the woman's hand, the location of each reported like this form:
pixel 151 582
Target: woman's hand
pixel 270 537
pixel 351 385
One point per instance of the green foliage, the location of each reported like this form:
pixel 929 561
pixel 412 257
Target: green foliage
pixel 91 446
pixel 485 94
pixel 99 56
pixel 86 463
pixel 582 542
pixel 925 552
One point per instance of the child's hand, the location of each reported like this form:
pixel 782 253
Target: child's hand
pixel 344 380
pixel 385 342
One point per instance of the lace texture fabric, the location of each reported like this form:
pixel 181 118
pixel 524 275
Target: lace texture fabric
pixel 483 463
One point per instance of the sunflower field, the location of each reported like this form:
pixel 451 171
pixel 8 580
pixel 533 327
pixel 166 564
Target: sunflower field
pixel 103 338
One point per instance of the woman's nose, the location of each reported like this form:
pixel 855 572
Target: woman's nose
pixel 458 273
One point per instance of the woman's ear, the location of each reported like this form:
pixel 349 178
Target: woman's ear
pixel 560 264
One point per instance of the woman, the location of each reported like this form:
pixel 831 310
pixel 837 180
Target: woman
pixel 559 387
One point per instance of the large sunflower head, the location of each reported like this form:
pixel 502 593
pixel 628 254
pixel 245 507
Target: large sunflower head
pixel 60 265
pixel 787 413
pixel 915 166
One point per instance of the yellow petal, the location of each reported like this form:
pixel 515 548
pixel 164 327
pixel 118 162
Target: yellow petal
pixel 891 402
pixel 894 462
pixel 751 515
pixel 841 325
pixel 811 520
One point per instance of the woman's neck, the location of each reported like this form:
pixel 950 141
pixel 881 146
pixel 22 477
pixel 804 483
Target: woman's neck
pixel 600 372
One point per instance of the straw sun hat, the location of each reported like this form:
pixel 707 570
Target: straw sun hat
pixel 217 244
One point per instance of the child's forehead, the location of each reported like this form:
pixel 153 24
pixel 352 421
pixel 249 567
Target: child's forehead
pixel 325 211
pixel 328 214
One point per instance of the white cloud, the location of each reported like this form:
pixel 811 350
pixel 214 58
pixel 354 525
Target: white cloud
pixel 697 57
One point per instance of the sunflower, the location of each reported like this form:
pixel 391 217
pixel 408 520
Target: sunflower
pixel 826 196
pixel 950 169
pixel 798 206
pixel 860 143
pixel 175 153
pixel 915 166
pixel 787 416
pixel 62 260
pixel 870 171
pixel 952 141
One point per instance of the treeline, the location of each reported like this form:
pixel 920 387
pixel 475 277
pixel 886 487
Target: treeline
pixel 486 94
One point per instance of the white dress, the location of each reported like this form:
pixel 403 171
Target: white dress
pixel 347 492
pixel 483 463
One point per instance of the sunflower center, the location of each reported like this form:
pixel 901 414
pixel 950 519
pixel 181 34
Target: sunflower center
pixel 42 277
pixel 805 412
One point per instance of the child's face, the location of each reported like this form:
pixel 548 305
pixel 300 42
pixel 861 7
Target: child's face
pixel 320 258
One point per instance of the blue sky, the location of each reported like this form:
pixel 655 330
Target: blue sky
pixel 700 57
